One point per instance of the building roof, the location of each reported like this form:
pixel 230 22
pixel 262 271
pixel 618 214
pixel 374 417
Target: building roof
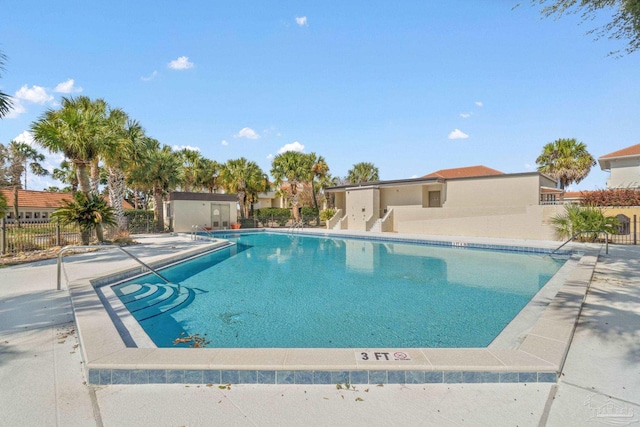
pixel 43 199
pixel 632 151
pixel 203 197
pixel 464 172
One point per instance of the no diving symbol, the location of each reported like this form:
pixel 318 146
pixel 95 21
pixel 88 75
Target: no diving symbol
pixel 399 355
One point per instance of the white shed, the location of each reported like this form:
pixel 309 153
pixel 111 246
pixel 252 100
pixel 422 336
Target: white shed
pixel 207 210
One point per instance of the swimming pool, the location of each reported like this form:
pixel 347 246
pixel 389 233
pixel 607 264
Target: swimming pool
pixel 273 290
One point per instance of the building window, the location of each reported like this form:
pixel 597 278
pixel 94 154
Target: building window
pixel 28 215
pixel 45 215
pixel 36 215
pixel 10 215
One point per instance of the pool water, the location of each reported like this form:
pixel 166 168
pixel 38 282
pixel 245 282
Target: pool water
pixel 274 290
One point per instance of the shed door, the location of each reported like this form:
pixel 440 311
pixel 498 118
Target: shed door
pixel 219 216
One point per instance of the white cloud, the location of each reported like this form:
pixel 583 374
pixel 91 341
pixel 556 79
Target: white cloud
pixel 528 166
pixel 247 133
pixel 37 94
pixel 26 137
pixel 182 63
pixel 16 109
pixel 182 147
pixel 479 104
pixel 149 77
pixel 301 21
pixel 67 87
pixel 269 156
pixel 465 115
pixel 458 134
pixel 294 146
pixel 224 142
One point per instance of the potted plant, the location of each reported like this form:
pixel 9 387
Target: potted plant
pixel 235 225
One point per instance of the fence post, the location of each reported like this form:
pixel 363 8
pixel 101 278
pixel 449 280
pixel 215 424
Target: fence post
pixel 635 229
pixel 3 236
pixel 58 235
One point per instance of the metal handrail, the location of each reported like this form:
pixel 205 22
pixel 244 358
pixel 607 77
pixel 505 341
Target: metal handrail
pixel 194 230
pixel 130 255
pixel 295 225
pixel 606 240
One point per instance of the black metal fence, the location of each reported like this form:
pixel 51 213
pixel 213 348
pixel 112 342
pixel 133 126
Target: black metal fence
pixel 38 235
pixel 275 221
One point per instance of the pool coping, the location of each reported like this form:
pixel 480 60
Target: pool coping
pixel 539 358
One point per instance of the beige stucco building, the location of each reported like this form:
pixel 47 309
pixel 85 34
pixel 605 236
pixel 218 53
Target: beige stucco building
pixel 623 166
pixel 473 201
pixel 213 211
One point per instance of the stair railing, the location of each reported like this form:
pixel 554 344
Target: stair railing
pixel 129 254
pixel 606 240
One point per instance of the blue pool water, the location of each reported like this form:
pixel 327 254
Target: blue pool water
pixel 275 290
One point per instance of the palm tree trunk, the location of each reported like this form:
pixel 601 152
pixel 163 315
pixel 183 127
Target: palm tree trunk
pixel 157 209
pixel 83 177
pixel 95 177
pixel 16 209
pixel 116 186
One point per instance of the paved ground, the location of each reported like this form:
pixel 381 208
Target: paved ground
pixel 42 382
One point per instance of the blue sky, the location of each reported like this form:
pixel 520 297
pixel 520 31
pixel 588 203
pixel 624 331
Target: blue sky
pixel 410 86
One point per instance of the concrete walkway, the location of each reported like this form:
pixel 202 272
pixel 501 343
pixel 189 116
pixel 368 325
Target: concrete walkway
pixel 42 382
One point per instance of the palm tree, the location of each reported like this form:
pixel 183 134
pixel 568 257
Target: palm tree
pixel 77 130
pixel 5 100
pixel 319 171
pixel 245 178
pixel 363 172
pixel 89 212
pixel 66 173
pixel 566 160
pixel 207 175
pixel 21 155
pixel 191 160
pixel 160 174
pixel 294 168
pixel 127 138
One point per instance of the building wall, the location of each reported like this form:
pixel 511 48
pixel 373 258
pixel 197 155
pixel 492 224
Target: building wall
pixel 516 222
pixel 362 205
pixel 406 195
pixel 519 190
pixel 186 213
pixel 624 173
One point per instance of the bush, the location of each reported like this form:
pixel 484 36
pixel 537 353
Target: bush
pixel 611 197
pixel 588 220
pixel 308 211
pixel 139 221
pixel 327 214
pixel 268 215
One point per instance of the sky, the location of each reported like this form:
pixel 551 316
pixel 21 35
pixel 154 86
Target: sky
pixel 411 86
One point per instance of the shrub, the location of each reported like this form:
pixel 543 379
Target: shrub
pixel 588 220
pixel 327 214
pixel 611 197
pixel 268 215
pixel 139 221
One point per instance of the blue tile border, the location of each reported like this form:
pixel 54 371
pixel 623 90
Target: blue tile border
pixel 304 377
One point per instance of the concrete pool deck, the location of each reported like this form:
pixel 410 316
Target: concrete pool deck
pixel 42 375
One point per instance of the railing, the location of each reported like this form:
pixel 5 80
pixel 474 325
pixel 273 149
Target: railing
pixel 130 255
pixel 196 228
pixel 606 240
pixel 296 225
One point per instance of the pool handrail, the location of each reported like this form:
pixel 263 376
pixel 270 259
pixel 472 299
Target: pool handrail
pixel 107 246
pixel 606 240
pixel 197 227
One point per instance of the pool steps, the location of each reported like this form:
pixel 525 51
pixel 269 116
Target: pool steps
pixel 150 300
